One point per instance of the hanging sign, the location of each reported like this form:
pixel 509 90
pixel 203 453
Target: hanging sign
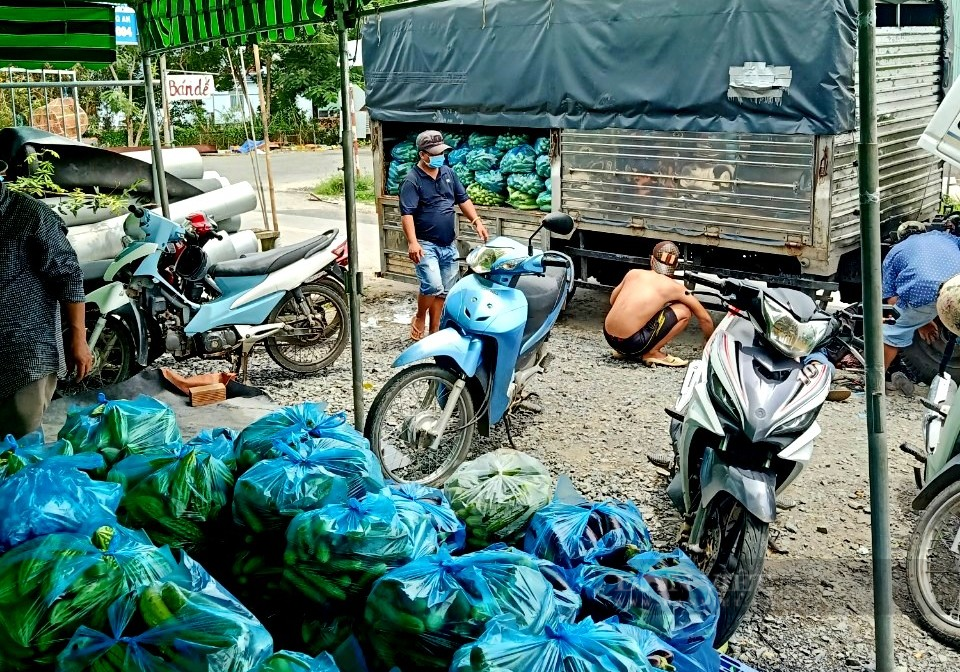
pixel 125 19
pixel 189 87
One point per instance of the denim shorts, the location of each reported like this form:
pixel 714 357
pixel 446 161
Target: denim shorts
pixel 900 333
pixel 439 269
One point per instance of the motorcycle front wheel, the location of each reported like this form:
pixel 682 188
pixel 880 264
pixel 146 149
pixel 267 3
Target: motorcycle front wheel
pixel 734 548
pixel 933 566
pixel 114 359
pixel 402 425
pixel 315 335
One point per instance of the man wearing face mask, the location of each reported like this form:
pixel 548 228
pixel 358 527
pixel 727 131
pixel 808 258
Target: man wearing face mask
pixel 428 197
pixel 649 309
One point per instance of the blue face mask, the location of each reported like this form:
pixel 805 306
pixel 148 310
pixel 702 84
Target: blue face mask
pixel 437 161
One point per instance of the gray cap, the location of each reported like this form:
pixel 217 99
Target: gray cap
pixel 432 143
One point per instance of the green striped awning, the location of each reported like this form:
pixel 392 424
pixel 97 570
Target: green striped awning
pixel 56 34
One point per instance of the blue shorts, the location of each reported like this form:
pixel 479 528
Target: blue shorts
pixel 900 333
pixel 439 269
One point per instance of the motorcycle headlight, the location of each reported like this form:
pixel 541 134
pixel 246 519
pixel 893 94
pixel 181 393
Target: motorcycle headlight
pixel 787 334
pixel 719 394
pixel 799 423
pixel 482 259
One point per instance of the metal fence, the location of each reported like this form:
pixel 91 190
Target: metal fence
pixel 32 101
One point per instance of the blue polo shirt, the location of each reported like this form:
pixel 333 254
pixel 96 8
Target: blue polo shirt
pixel 914 269
pixel 431 202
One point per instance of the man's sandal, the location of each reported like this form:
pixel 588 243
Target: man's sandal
pixel 666 360
pixel 416 333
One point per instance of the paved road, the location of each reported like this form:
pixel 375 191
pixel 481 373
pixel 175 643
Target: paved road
pixel 291 170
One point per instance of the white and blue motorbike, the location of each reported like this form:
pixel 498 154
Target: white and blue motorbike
pixel 160 297
pixel 492 341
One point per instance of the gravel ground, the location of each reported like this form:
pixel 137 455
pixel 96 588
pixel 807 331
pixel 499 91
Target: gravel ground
pixel 601 416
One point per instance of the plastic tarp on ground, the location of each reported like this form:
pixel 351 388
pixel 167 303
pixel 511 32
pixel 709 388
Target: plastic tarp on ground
pixel 637 64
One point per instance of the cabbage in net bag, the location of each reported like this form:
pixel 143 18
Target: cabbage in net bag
pixel 527 183
pixel 481 159
pixel 508 141
pixel 464 174
pixel 497 494
pixel 519 160
pixel 404 152
pixel 185 621
pixel 491 180
pixel 336 553
pixel 542 146
pixel 418 615
pixel 52 585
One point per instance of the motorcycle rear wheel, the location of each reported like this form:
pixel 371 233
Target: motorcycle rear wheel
pixel 397 428
pixel 735 538
pixel 930 584
pixel 325 330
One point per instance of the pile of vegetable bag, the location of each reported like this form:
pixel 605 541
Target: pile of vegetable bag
pixel 121 427
pixel 570 529
pixel 418 615
pixel 520 200
pixel 464 174
pixel 481 196
pixel 526 183
pixel 54 496
pixel 508 141
pixel 176 493
pixel 479 140
pixel 405 152
pixel 453 139
pixel 335 554
pixel 307 475
pixel 519 160
pixel 258 441
pixel 184 621
pixel 396 173
pixel 30 449
pixel 288 661
pixel 458 156
pixel 52 585
pixel 497 494
pixel 662 592
pixel 542 146
pixel 491 180
pixel 481 159
pixel 415 501
pixel 562 647
pixel 543 167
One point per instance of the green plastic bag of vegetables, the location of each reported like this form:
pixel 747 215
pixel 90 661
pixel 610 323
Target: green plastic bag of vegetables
pixel 453 139
pixel 185 621
pixel 491 180
pixel 288 661
pixel 404 152
pixel 481 196
pixel 121 427
pixel 30 449
pixel 519 160
pixel 258 441
pixel 464 174
pixel 336 553
pixel 395 176
pixel 52 585
pixel 508 141
pixel 542 146
pixel 497 494
pixel 418 615
pixel 307 476
pixel 543 167
pixel 545 201
pixel 526 183
pixel 481 159
pixel 175 493
pixel 479 140
pixel 521 201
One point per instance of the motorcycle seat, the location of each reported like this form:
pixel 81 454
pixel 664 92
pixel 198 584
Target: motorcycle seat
pixel 94 270
pixel 263 263
pixel 543 293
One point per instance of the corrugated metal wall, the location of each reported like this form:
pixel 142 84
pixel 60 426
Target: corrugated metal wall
pixel 908 93
pixel 749 187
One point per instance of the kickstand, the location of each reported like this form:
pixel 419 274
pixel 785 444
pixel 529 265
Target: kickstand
pixel 506 424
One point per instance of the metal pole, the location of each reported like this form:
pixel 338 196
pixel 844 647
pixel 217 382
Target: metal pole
pixel 46 99
pixel 873 311
pixel 350 194
pixel 76 109
pixel 165 101
pixel 13 96
pixel 266 138
pixel 151 102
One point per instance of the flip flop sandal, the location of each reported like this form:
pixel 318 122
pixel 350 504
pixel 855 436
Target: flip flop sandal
pixel 416 333
pixel 669 360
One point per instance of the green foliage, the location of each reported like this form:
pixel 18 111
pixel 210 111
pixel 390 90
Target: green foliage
pixel 333 186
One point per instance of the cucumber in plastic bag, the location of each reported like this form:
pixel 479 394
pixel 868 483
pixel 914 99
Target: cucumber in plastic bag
pixel 479 140
pixel 481 159
pixel 405 152
pixel 414 501
pixel 481 196
pixel 519 160
pixel 30 449
pixel 464 174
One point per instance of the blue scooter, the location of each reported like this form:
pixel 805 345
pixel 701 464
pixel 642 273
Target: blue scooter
pixel 492 341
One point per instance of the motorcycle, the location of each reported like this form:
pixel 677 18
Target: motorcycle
pixel 492 341
pixel 163 295
pixel 933 558
pixel 743 428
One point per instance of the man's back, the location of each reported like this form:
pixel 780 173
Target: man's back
pixel 915 268
pixel 640 296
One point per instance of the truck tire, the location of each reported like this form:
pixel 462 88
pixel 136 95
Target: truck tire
pixel 922 359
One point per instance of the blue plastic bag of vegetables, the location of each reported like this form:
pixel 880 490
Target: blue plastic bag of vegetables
pixel 543 167
pixel 418 615
pixel 562 647
pixel 665 657
pixel 218 442
pixel 54 496
pixel 519 160
pixel 458 156
pixel 491 180
pixel 414 501
pixel 542 146
pixel 564 591
pixel 52 585
pixel 662 592
pixel 120 427
pixel 288 661
pixel 258 441
pixel 481 159
pixel 184 621
pixel 464 174
pixel 480 140
pixel 306 476
pixel 176 493
pixel 335 554
pixel 404 152
pixel 545 201
pixel 30 449
pixel 396 173
pixel 569 528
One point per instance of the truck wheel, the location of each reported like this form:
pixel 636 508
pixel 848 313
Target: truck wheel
pixel 922 359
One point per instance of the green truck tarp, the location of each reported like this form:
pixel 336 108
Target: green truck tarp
pixel 56 34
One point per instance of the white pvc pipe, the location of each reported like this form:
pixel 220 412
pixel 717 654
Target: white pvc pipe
pixel 183 162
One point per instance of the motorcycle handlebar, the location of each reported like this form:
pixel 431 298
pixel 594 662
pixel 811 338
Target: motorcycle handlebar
pixel 706 282
pixel 552 261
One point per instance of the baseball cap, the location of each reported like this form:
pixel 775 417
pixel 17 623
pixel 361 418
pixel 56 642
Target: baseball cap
pixel 665 257
pixel 432 143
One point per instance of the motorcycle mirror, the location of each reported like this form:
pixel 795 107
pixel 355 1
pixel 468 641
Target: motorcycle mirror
pixel 559 223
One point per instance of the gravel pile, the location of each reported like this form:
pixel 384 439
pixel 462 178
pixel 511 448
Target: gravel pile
pixel 599 419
